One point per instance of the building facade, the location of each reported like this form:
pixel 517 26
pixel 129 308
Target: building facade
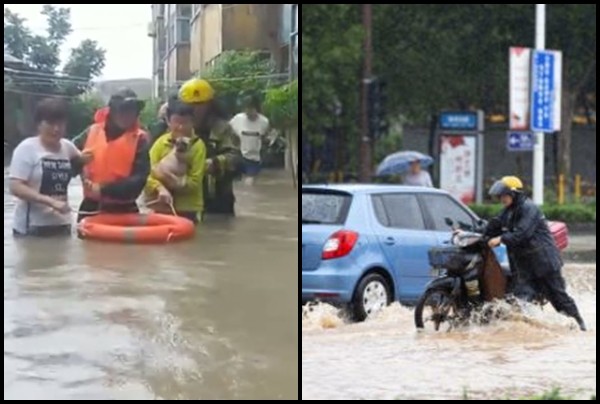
pixel 295 39
pixel 170 30
pixel 216 28
pixel 189 38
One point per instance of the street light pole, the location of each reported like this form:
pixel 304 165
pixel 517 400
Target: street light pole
pixel 365 139
pixel 538 149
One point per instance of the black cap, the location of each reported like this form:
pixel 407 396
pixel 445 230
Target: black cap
pixel 125 98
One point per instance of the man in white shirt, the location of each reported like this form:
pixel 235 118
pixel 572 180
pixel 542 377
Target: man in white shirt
pixel 251 127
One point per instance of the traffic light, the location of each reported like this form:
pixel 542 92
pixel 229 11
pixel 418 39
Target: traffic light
pixel 376 107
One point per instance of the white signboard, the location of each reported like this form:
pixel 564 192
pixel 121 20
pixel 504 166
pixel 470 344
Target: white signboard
pixel 457 166
pixel 519 77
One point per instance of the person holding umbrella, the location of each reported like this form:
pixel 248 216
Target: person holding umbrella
pixel 408 164
pixel 416 176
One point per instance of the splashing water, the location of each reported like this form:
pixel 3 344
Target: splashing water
pixel 520 352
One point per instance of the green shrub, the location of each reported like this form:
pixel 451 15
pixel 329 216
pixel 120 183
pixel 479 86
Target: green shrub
pixel 571 213
pixel 553 394
pixel 486 211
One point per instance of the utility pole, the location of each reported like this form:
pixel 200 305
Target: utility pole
pixel 538 149
pixel 365 138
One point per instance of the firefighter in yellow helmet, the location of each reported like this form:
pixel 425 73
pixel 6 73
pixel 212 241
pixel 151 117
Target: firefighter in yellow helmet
pixel 533 254
pixel 222 146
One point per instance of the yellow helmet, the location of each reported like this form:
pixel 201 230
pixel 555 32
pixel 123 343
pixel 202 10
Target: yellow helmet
pixel 513 183
pixel 196 91
pixel 506 185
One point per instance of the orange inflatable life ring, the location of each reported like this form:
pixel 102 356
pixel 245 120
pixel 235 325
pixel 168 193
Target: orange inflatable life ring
pixel 134 228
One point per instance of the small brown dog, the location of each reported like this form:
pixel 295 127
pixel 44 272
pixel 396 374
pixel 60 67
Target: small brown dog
pixel 171 171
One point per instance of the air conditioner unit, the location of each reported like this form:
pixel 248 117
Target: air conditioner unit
pixel 152 29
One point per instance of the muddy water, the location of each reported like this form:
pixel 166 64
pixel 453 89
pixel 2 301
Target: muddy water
pixel 214 318
pixel 386 359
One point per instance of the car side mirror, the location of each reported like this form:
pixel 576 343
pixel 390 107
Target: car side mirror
pixel 481 225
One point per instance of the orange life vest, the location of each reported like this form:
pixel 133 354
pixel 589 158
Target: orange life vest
pixel 113 160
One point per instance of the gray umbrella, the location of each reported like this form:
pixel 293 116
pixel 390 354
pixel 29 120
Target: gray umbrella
pixel 399 163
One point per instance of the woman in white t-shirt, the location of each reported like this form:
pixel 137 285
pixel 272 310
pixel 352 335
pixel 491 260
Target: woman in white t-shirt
pixel 251 127
pixel 40 171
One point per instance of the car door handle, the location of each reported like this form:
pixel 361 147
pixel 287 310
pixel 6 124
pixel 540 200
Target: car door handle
pixel 390 241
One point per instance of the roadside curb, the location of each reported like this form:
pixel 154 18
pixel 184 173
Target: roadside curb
pixel 580 256
pixel 582 227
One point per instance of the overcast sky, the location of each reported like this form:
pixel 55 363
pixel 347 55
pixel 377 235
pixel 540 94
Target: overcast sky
pixel 121 29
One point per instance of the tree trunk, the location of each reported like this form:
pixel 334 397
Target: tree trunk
pixel 564 136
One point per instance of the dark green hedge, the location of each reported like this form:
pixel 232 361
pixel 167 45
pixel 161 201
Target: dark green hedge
pixel 571 213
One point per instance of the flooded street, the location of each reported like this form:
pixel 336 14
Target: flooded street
pixel 387 359
pixel 213 318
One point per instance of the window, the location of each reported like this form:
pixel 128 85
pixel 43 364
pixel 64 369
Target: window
pixel 400 211
pixel 183 30
pixel 324 208
pixel 184 10
pixel 440 207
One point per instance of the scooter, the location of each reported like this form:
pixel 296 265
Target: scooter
pixel 469 275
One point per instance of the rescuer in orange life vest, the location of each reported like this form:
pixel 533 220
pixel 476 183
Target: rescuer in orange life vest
pixel 120 165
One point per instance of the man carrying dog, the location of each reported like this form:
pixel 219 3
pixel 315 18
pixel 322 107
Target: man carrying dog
pixel 178 163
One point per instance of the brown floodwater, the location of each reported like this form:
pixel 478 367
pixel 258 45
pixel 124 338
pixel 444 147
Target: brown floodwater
pixel 213 318
pixel 385 358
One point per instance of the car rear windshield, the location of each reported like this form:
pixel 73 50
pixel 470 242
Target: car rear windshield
pixel 324 208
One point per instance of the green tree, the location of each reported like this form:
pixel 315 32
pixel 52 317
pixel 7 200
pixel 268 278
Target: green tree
pixel 436 56
pixel 572 29
pixel 237 73
pixel 331 65
pixel 86 62
pixel 81 113
pixel 41 54
pixel 149 113
pixel 281 106
pixel 39 75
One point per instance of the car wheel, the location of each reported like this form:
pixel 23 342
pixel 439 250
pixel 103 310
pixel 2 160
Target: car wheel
pixel 371 297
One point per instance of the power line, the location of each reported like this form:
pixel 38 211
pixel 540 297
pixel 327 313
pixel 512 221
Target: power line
pixel 42 74
pixel 25 81
pixel 98 28
pixel 79 78
pixel 10 90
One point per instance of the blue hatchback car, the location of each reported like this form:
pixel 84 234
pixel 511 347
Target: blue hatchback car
pixel 366 245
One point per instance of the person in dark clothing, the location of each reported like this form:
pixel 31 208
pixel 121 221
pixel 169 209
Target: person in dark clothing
pixel 161 126
pixel 224 159
pixel 533 255
pixel 121 163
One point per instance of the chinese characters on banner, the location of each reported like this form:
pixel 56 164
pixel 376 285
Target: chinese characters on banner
pixel 457 166
pixel 546 70
pixel 519 88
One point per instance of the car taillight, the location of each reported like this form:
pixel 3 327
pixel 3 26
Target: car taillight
pixel 339 244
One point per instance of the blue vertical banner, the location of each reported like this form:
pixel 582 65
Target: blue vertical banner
pixel 545 91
